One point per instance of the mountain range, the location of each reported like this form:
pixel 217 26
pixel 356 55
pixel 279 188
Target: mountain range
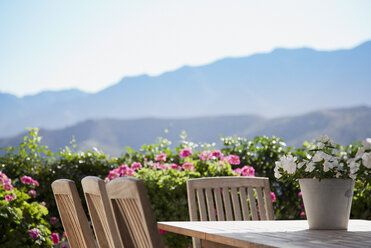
pixel 284 82
pixel 112 135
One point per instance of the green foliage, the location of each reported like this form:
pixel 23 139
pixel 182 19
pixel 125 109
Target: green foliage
pixel 18 216
pixel 32 159
pixel 166 187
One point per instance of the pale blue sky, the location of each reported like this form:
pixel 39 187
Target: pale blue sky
pixel 92 44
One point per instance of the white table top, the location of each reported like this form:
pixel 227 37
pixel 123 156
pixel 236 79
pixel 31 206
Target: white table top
pixel 279 233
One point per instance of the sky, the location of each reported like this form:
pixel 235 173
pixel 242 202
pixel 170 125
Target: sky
pixel 92 44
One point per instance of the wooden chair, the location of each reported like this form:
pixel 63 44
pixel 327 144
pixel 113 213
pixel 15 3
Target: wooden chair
pixel 74 220
pixel 132 213
pixel 229 198
pixel 100 211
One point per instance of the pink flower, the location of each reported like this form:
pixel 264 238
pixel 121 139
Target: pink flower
pixel 188 166
pixel 8 187
pixel 237 171
pixel 221 163
pixel 53 220
pixel 155 166
pixel 273 196
pixel 130 172
pixel 136 166
pixel 113 174
pixel 122 169
pixel 3 177
pixel 205 155
pixel 217 154
pixel 65 234
pixel 26 180
pixel 106 180
pixel 8 198
pixel 301 205
pixel 300 194
pixel 161 231
pixel 29 180
pixel 163 166
pixel 248 171
pixel 34 182
pixel 32 193
pixel 302 214
pixel 55 238
pixel 161 157
pixel 34 233
pixel 175 167
pixel 185 153
pixel 43 204
pixel 233 159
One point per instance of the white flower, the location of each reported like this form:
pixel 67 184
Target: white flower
pixel 367 143
pixel 276 172
pixel 359 153
pixel 320 145
pixel 353 176
pixel 327 165
pixel 278 164
pixel 319 156
pixel 289 164
pixel 366 159
pixel 310 167
pixel 338 174
pixel 301 165
pixel 324 138
pixel 353 165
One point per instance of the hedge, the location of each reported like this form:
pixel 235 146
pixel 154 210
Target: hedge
pixel 165 170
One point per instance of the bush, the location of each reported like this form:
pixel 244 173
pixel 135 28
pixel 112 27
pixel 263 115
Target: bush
pixel 165 171
pixel 22 218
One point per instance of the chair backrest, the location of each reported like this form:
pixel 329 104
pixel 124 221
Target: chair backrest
pixel 100 212
pixel 133 214
pixel 229 198
pixel 74 220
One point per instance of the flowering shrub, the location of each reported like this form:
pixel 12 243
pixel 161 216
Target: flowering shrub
pixel 165 173
pixel 22 219
pixel 326 159
pixel 165 178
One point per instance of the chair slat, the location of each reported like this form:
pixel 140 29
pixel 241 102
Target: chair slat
pixel 268 201
pixel 254 211
pixel 236 204
pixel 219 204
pixel 227 203
pixel 201 204
pixel 262 211
pixel 244 206
pixel 210 204
pixel 192 207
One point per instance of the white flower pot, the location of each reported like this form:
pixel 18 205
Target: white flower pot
pixel 327 202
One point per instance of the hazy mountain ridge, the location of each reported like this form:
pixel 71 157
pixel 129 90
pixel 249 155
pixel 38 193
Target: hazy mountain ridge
pixel 280 83
pixel 112 136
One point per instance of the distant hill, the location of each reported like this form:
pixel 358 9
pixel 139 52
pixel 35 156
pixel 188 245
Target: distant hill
pixel 111 135
pixel 283 82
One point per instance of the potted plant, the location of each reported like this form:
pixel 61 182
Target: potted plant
pixel 326 173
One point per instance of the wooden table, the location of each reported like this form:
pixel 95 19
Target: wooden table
pixel 279 233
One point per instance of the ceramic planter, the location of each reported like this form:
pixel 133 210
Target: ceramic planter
pixel 327 202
